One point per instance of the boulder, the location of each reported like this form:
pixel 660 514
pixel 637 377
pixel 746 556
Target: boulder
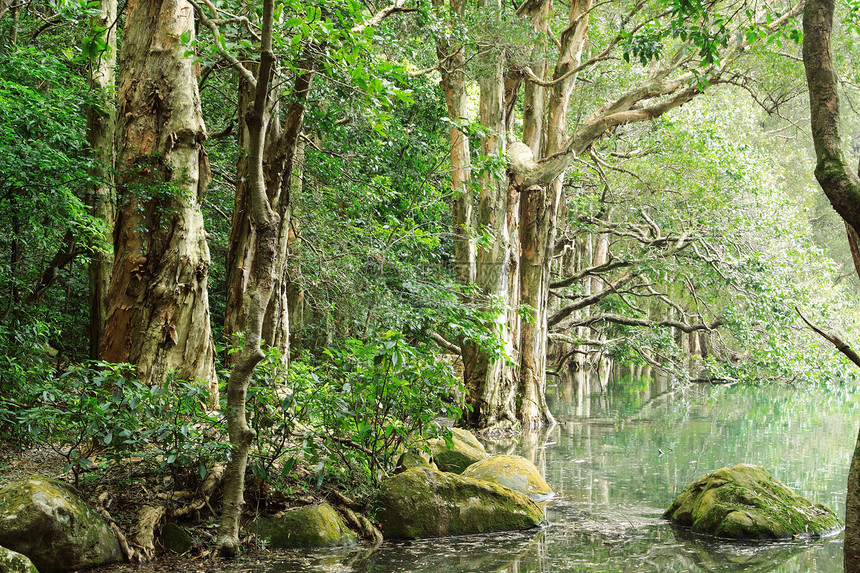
pixel 463 452
pixel 411 459
pixel 12 562
pixel 425 503
pixel 305 527
pixel 746 502
pixel 514 472
pixel 175 539
pixel 48 521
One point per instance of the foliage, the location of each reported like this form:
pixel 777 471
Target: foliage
pixel 98 417
pixel 44 173
pixel 349 415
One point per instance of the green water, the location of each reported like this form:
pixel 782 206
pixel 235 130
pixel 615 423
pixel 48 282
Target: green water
pixel 621 452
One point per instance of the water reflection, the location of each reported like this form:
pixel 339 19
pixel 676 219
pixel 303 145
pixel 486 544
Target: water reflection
pixel 626 444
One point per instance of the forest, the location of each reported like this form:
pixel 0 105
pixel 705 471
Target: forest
pixel 251 253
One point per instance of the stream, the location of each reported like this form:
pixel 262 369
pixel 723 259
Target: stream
pixel 623 448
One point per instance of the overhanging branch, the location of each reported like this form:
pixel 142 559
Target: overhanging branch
pixel 833 339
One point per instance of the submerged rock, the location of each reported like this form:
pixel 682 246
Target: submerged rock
pixel 425 503
pixel 514 472
pixel 463 452
pixel 305 527
pixel 48 521
pixel 13 562
pixel 746 502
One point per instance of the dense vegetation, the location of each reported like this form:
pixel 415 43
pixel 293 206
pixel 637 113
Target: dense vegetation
pixel 351 222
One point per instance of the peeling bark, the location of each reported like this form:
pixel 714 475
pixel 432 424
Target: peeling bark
pixel 158 313
pixel 452 66
pixel 490 381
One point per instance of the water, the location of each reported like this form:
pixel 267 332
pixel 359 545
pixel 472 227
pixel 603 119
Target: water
pixel 621 452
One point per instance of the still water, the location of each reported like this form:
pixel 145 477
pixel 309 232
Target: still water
pixel 624 447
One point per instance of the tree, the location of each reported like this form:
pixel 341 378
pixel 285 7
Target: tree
pixel 841 184
pixel 101 198
pixel 518 210
pixel 261 224
pixel 158 306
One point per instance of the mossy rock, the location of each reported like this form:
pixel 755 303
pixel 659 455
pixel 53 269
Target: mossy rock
pixel 13 562
pixel 412 459
pixel 425 503
pixel 175 539
pixel 312 526
pixel 746 502
pixel 514 472
pixel 463 452
pixel 48 521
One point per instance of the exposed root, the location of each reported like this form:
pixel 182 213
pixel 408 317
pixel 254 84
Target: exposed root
pixel 207 489
pixel 127 550
pixel 365 528
pixel 344 501
pixel 148 520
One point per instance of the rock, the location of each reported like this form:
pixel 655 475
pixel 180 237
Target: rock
pixel 464 451
pixel 746 502
pixel 514 472
pixel 12 562
pixel 414 459
pixel 305 527
pixel 425 503
pixel 175 539
pixel 48 521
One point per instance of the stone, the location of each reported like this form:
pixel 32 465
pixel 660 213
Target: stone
pixel 514 472
pixel 48 521
pixel 414 459
pixel 175 539
pixel 463 452
pixel 746 502
pixel 312 526
pixel 13 562
pixel 422 502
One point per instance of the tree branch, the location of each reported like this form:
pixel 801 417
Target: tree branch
pixel 833 339
pixel 628 321
pixel 447 345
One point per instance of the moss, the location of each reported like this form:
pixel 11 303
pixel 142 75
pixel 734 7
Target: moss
pixel 413 459
pixel 746 502
pixel 464 451
pixel 425 503
pixel 514 472
pixel 305 527
pixel 49 521
pixel 12 562
pixel 175 539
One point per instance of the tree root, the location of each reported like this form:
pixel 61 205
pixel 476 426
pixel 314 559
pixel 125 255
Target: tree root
pixel 344 501
pixel 148 520
pixel 210 484
pixel 127 550
pixel 365 528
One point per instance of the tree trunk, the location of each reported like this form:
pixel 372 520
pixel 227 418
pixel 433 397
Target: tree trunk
pixel 158 307
pixel 268 199
pixel 539 211
pixel 452 60
pixel 281 162
pixel 265 223
pixel 101 199
pixel 490 379
pixel 240 245
pixel 842 187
